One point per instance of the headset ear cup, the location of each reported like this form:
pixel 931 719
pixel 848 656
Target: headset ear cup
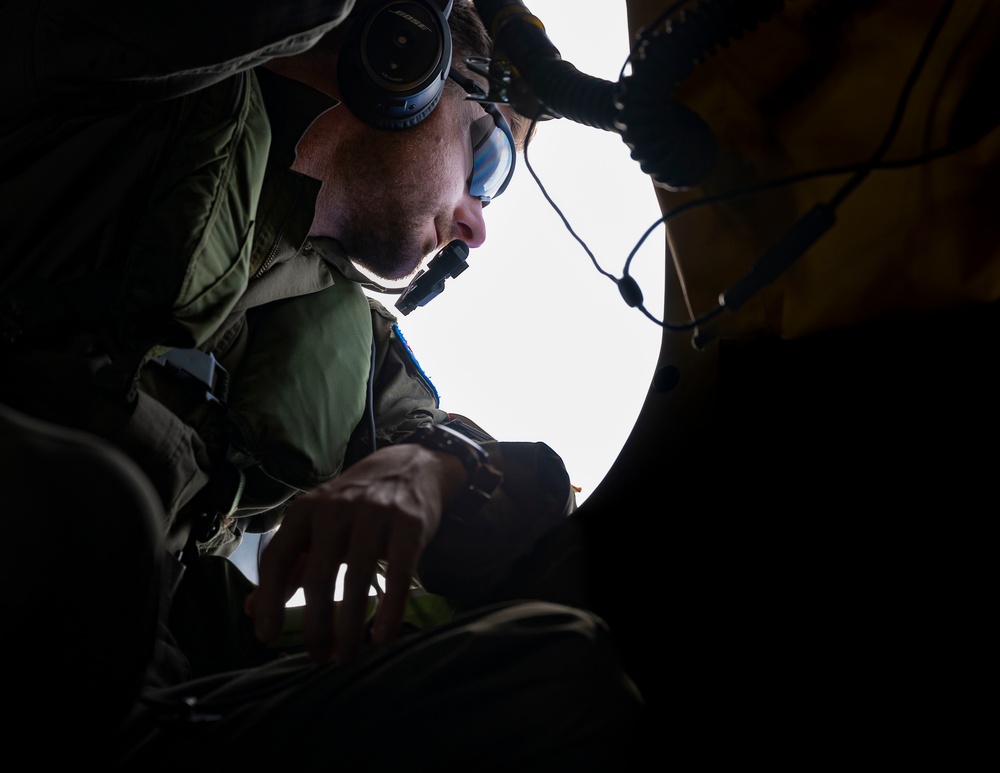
pixel 394 62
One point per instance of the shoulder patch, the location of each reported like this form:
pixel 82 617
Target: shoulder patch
pixel 416 364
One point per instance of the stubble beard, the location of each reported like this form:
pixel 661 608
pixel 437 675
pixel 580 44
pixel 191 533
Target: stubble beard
pixel 382 245
pixel 379 222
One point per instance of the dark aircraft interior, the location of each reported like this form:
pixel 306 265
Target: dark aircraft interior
pixel 791 529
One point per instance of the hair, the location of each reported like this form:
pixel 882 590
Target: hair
pixel 468 34
pixel 469 38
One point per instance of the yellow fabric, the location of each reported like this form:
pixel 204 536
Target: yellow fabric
pixel 803 92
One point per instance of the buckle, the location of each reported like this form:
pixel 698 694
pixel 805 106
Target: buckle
pixel 201 367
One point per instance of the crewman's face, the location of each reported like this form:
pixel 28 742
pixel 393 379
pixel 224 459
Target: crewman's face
pixel 393 197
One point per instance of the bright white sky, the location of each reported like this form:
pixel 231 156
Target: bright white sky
pixel 531 342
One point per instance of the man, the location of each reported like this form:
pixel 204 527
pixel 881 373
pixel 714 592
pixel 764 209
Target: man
pixel 213 197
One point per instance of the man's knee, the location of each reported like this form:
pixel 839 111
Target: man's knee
pixel 82 568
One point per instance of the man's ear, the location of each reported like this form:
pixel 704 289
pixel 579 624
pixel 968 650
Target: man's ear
pixel 394 61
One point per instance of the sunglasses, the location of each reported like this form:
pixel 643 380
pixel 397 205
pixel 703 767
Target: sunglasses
pixel 493 149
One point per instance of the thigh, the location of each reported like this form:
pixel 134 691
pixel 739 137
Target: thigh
pixel 524 685
pixel 81 576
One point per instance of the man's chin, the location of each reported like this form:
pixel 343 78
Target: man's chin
pixel 390 269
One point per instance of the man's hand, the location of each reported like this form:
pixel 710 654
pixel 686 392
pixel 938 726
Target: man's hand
pixel 385 507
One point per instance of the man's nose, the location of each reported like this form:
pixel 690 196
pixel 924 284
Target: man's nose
pixel 470 225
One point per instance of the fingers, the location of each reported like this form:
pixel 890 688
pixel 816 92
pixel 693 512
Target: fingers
pixel 292 560
pixel 350 621
pixel 330 538
pixel 369 544
pixel 405 547
pixel 387 506
pixel 317 535
pixel 266 605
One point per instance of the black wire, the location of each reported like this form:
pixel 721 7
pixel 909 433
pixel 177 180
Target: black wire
pixel 901 103
pixel 783 182
pixel 559 212
pixel 371 396
pixel 860 171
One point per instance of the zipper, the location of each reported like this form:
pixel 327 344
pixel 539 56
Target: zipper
pixel 273 253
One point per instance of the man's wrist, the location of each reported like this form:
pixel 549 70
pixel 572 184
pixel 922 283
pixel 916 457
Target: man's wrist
pixel 482 479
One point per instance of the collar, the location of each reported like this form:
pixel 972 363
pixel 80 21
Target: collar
pixel 287 198
pixel 333 255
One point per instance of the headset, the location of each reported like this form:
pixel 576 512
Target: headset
pixel 395 59
pixel 392 68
